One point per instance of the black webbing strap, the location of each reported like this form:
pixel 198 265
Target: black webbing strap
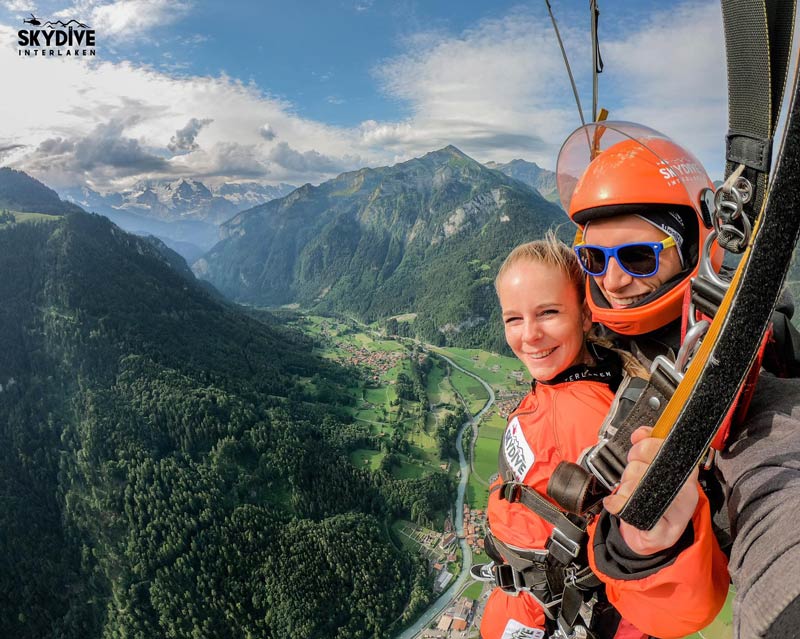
pixel 608 459
pixel 758 37
pixel 568 537
pixel 515 492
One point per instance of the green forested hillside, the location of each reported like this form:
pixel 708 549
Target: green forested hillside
pixel 425 236
pixel 21 192
pixel 165 469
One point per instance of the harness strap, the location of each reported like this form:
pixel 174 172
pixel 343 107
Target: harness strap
pixel 536 572
pixel 567 537
pixel 758 35
pixel 607 460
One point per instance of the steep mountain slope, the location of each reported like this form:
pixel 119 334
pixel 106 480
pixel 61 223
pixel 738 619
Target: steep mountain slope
pixel 424 236
pixel 20 192
pixel 162 458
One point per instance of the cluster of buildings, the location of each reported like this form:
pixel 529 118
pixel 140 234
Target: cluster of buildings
pixel 378 362
pixel 507 402
pixel 474 528
pixel 447 546
pixel 454 622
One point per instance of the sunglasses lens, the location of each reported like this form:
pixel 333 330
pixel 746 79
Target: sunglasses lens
pixel 638 259
pixel 593 260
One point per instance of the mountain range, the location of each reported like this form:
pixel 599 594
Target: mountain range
pixel 424 236
pixel 184 213
pixel 543 180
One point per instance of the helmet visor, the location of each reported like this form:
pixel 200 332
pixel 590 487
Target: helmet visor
pixel 647 152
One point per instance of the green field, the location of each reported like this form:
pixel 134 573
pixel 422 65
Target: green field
pixel 473 591
pixel 486 450
pixel 496 370
pixel 365 458
pixel 377 403
pixel 477 495
pixel 407 470
pixel 470 389
pixel 439 392
pixel 25 216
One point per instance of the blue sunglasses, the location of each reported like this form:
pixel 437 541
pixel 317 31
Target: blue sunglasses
pixel 638 259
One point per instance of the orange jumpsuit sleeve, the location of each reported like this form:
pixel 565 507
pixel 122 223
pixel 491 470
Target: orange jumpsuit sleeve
pixel 672 600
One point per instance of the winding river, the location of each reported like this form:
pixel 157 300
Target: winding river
pixel 447 597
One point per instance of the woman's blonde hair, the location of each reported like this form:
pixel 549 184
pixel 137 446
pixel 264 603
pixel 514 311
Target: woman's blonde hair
pixel 553 252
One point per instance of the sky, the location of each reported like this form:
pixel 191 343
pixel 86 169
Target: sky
pixel 301 91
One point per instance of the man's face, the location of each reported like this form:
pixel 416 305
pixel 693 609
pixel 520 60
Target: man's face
pixel 618 287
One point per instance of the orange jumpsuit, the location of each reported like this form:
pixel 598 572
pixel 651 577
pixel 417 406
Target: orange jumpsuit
pixel 557 421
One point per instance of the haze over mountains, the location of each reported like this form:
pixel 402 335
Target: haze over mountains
pixel 531 174
pixel 422 237
pixel 184 213
pixel 425 236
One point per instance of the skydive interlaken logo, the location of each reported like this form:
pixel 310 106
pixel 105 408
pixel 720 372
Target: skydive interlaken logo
pixel 55 39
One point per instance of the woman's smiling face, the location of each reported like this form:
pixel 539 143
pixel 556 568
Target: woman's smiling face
pixel 545 320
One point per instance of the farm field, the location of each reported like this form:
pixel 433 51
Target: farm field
pixel 509 382
pixel 380 362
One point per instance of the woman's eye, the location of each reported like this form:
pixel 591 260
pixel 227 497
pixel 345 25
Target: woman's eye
pixel 549 311
pixel 511 320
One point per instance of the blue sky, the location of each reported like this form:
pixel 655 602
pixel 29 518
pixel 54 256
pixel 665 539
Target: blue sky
pixel 298 92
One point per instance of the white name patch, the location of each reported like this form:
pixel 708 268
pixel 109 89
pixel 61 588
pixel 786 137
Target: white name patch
pixel 516 630
pixel 518 453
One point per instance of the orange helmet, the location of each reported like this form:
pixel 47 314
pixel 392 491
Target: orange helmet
pixel 609 168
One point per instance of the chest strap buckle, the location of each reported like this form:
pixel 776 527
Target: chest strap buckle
pixel 562 548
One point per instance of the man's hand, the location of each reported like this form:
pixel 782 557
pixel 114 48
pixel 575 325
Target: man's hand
pixel 670 527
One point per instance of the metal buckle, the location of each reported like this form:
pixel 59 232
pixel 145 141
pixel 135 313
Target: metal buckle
pixel 565 632
pixel 507 579
pixel 572 548
pixel 668 369
pixel 706 272
pixel 588 461
pixel 511 492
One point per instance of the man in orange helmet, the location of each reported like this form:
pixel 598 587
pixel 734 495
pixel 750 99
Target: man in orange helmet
pixel 638 199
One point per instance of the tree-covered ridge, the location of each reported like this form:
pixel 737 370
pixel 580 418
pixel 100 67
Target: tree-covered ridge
pixel 20 192
pixel 424 236
pixel 166 468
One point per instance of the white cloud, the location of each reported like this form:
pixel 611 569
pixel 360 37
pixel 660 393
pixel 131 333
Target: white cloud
pixel 497 91
pixel 19 5
pixel 671 75
pixel 141 117
pixel 126 19
pixel 500 90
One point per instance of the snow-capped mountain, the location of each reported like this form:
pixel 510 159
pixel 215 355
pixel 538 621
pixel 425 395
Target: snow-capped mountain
pixel 182 199
pixel 183 213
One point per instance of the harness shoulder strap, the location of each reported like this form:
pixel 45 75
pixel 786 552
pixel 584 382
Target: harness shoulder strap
pixel 758 38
